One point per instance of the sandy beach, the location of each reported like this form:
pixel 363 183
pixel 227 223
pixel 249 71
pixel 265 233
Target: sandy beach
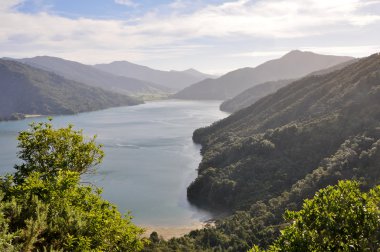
pixel 170 232
pixel 32 116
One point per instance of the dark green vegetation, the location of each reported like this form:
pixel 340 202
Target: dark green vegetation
pixel 252 95
pixel 293 65
pixel 340 218
pixel 94 77
pixel 46 207
pixel 27 90
pixel 175 80
pixel 269 157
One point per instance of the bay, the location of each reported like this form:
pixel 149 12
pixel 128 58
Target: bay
pixel 150 156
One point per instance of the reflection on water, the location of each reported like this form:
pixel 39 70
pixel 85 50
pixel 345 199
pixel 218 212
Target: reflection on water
pixel 150 157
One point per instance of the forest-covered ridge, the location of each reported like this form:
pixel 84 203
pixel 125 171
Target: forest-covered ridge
pixel 270 157
pixel 28 90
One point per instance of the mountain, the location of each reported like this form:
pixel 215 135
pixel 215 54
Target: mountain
pixel 175 80
pixel 255 93
pixel 93 77
pixel 28 90
pixel 197 74
pixel 271 156
pixel 293 65
pixel 251 95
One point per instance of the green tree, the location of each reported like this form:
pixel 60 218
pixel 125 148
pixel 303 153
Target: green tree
pixel 48 150
pixel 47 208
pixel 338 218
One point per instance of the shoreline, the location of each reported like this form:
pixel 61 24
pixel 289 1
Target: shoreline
pixel 168 232
pixel 32 115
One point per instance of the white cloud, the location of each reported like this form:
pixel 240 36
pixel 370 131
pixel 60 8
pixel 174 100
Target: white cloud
pixel 8 4
pixel 157 35
pixel 126 2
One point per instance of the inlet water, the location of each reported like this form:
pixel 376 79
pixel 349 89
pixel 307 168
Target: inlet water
pixel 150 157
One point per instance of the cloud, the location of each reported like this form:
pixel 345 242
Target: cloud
pixel 8 4
pixel 130 3
pixel 159 35
pixel 269 18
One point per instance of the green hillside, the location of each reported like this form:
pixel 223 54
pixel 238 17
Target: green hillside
pixel 274 143
pixel 269 157
pixel 27 90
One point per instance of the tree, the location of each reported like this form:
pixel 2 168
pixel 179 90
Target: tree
pixel 46 208
pixel 338 218
pixel 48 150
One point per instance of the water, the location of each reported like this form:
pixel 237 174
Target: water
pixel 150 157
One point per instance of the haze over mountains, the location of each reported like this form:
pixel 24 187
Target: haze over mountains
pixel 28 90
pixel 175 80
pixel 255 93
pixel 251 95
pixel 121 77
pixel 293 65
pixel 93 77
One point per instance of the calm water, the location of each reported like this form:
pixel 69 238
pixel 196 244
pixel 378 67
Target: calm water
pixel 150 157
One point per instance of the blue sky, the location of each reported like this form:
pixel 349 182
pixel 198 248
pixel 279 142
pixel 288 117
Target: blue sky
pixel 106 9
pixel 214 36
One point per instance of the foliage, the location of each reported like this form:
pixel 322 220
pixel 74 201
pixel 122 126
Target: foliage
pixel 49 209
pixel 338 218
pixel 49 150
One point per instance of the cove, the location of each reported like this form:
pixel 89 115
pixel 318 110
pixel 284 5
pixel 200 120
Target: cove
pixel 150 156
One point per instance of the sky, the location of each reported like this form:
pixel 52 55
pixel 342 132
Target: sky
pixel 213 36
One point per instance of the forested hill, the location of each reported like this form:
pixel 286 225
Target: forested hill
pixel 271 156
pixel 27 90
pixel 259 152
pixel 292 65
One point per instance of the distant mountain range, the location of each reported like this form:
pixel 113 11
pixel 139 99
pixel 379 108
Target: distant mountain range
pixel 175 80
pixel 93 77
pixel 28 90
pixel 255 93
pixel 293 65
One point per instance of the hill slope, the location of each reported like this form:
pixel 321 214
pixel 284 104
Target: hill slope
pixel 93 77
pixel 282 137
pixel 253 94
pixel 293 65
pixel 175 80
pixel 27 90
